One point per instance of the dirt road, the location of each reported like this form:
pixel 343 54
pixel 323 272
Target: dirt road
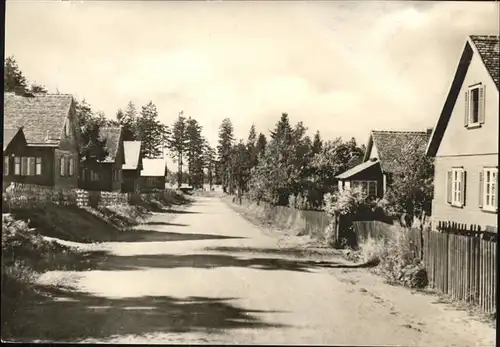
pixel 206 275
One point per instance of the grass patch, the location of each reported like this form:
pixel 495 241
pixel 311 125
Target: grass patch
pixel 395 258
pixel 26 254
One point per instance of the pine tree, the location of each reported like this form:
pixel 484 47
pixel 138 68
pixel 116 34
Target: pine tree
pixel 261 144
pixel 252 146
pixel 150 132
pixel 224 151
pixel 176 143
pixel 195 143
pixel 128 120
pixel 317 143
pixel 12 76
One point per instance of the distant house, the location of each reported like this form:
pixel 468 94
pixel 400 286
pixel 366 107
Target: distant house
pixel 49 153
pixel 106 175
pixel 153 174
pixel 374 174
pixel 465 139
pixel 131 168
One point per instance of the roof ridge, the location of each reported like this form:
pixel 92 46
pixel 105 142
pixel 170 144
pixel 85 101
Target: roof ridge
pixel 400 131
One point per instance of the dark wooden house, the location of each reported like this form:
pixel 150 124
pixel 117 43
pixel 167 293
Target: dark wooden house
pixel 153 174
pixel 131 168
pixel 48 154
pixel 105 175
pixel 374 174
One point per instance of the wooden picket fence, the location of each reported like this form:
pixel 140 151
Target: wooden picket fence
pixel 461 262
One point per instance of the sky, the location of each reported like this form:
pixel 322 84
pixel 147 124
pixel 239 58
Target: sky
pixel 342 68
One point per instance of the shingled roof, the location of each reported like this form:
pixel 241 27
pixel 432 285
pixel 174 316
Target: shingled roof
pixel 112 136
pixel 390 143
pixel 9 134
pixel 488 48
pixel 42 116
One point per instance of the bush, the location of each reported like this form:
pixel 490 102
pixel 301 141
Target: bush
pixel 396 259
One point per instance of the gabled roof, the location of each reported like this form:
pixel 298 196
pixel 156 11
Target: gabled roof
pixel 112 135
pixel 357 169
pixel 132 150
pixel 487 48
pixel 390 143
pixel 9 134
pixel 153 167
pixel 42 116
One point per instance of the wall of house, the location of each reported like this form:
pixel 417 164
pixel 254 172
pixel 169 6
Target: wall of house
pixel 373 152
pixel 470 213
pixel 373 173
pixel 459 140
pixel 66 180
pixel 130 180
pixel 19 149
pixel 68 146
pixel 148 183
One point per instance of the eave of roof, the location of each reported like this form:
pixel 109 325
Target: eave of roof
pixel 357 169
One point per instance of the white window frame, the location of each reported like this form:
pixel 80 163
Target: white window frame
pixel 24 166
pixel 490 189
pixel 456 180
pixel 17 166
pixel 31 165
pixel 71 166
pixel 368 184
pixel 62 166
pixel 38 166
pixel 470 122
pixel 6 166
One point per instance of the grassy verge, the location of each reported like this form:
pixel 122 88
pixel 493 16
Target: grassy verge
pixel 25 255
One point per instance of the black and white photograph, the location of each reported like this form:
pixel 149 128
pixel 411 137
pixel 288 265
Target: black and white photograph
pixel 250 172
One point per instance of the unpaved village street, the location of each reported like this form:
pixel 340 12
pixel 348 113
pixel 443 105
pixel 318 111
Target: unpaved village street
pixel 207 275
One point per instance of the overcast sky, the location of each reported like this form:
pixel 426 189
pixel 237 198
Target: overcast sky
pixel 341 67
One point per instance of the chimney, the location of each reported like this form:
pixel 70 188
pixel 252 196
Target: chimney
pixel 429 131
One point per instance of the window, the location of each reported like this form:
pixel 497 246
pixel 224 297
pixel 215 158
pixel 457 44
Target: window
pixel 94 176
pixel 6 165
pixel 71 167
pixel 62 166
pixel 474 106
pixel 456 187
pixel 17 165
pixel 31 166
pixel 488 189
pixel 24 166
pixel 66 128
pixel 367 187
pixel 38 170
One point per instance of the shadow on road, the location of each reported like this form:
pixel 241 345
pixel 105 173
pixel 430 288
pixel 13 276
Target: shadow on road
pixel 209 261
pixel 66 316
pixel 181 211
pixel 144 235
pixel 294 252
pixel 166 223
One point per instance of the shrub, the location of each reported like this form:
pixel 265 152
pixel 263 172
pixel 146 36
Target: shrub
pixel 396 259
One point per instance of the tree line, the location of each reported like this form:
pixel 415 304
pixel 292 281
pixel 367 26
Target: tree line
pixel 286 165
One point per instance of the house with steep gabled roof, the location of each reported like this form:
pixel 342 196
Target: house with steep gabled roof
pixel 131 168
pixel 106 175
pixel 49 156
pixel 464 142
pixel 384 147
pixel 153 174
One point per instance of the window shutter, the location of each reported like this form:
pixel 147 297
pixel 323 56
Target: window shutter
pixel 481 189
pixel 466 116
pixel 481 105
pixel 449 187
pixel 463 187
